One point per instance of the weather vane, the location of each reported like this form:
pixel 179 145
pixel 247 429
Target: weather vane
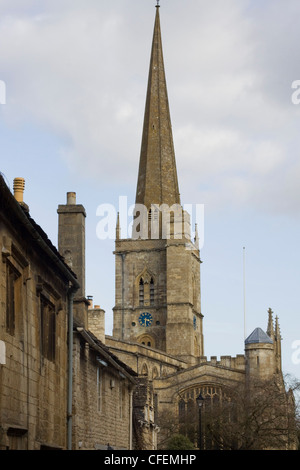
pixel 157 3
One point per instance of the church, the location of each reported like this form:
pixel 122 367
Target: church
pixel 65 384
pixel 158 322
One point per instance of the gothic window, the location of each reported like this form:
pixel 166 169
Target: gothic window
pixel 141 292
pixel 154 373
pixel 188 413
pixel 182 418
pixel 145 289
pixel 147 340
pixel 151 291
pixel 48 327
pixel 144 370
pixel 181 409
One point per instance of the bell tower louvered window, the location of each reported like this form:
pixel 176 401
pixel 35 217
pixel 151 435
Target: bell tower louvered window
pixel 141 292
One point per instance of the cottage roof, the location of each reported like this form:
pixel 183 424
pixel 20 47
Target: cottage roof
pixel 18 214
pixel 105 353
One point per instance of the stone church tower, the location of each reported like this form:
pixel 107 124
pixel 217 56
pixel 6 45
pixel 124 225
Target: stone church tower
pixel 157 285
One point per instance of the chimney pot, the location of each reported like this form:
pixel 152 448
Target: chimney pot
pixel 19 186
pixel 90 301
pixel 71 198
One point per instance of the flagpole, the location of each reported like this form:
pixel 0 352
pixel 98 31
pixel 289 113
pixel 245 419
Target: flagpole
pixel 244 288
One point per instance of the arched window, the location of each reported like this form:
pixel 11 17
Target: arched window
pixel 182 417
pixel 144 370
pixel 188 413
pixel 151 291
pixel 146 340
pixel 141 292
pixel 154 373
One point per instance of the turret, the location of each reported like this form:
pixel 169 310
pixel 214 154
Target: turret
pixel 259 352
pixel 263 350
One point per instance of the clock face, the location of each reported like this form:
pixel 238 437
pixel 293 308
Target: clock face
pixel 145 319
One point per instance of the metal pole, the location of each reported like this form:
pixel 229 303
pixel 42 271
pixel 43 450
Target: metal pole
pixel 200 401
pixel 200 429
pixel 244 282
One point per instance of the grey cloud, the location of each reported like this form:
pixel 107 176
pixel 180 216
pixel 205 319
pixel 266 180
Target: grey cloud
pixel 81 71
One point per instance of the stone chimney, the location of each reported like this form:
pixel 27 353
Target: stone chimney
pixel 71 245
pixel 71 238
pixel 96 322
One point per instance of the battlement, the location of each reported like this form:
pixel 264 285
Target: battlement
pixel 237 362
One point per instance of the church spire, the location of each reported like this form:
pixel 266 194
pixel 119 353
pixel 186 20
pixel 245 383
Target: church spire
pixel 157 178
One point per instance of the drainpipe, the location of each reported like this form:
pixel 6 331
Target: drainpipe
pixel 130 418
pixel 70 366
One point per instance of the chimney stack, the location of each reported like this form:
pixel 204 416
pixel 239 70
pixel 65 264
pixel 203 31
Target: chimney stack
pixel 71 237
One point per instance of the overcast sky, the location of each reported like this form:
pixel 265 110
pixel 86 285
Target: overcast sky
pixel 76 73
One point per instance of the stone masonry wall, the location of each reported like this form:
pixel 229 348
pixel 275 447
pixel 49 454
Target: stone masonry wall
pixel 33 388
pixel 102 402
